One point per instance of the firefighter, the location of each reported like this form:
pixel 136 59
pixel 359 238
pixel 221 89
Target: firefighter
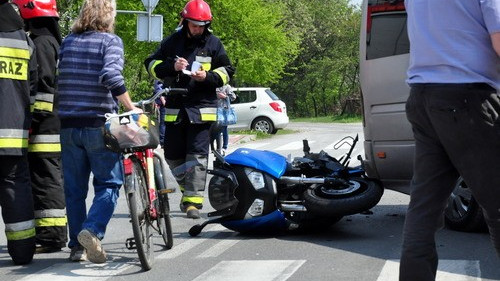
pixel 44 151
pixel 18 76
pixel 188 117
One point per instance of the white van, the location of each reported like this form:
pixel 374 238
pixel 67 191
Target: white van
pixel 389 145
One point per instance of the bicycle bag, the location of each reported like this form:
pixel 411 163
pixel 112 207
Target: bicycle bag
pixel 127 131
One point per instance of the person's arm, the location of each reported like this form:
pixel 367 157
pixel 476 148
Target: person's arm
pixel 222 70
pixel 495 40
pixel 162 63
pixel 127 102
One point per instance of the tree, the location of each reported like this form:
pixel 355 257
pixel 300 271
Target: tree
pixel 306 50
pixel 324 73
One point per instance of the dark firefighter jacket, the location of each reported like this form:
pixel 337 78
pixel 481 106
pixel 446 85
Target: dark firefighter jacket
pixel 45 126
pixel 18 77
pixel 200 102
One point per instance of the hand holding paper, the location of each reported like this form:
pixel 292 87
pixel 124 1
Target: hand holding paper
pixel 194 67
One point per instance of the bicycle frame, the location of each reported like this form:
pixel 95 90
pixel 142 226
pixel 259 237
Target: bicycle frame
pixel 146 159
pixel 147 193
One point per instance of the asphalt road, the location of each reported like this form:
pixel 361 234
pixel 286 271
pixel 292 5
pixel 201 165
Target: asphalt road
pixel 362 247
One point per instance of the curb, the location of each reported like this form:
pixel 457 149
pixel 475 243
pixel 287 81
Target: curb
pixel 237 139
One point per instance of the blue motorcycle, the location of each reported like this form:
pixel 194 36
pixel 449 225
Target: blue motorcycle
pixel 259 191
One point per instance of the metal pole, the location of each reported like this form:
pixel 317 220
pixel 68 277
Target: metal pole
pixel 149 20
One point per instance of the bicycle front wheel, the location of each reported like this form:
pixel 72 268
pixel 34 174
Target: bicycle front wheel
pixel 163 221
pixel 138 200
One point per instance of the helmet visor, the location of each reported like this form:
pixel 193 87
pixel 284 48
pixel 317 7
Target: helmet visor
pixel 199 23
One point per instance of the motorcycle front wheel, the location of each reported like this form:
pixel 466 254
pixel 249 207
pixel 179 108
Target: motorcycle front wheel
pixel 357 195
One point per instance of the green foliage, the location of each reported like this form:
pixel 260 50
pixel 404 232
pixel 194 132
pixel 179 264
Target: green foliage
pixel 325 72
pixel 306 50
pixel 255 39
pixel 329 119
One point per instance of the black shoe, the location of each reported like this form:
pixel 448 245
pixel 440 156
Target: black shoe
pixel 44 249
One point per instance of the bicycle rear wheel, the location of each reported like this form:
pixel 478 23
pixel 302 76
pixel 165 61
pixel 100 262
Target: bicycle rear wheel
pixel 163 221
pixel 138 201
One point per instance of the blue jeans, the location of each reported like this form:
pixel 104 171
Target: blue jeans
pixel 83 152
pixel 163 112
pixel 225 138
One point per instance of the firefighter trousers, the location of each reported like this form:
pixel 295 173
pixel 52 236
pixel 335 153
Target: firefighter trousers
pixel 186 152
pixel 48 196
pixel 16 202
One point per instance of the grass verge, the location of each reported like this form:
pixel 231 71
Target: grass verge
pixel 330 119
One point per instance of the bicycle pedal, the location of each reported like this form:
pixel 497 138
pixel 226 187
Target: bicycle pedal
pixel 130 243
pixel 166 190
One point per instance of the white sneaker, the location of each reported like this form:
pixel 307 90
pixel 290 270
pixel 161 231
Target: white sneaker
pixel 92 245
pixel 223 152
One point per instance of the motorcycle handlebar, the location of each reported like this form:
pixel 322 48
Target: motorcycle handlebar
pixel 166 91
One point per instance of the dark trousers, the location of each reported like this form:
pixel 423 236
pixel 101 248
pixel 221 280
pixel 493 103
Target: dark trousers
pixel 49 201
pixel 457 132
pixel 186 151
pixel 16 201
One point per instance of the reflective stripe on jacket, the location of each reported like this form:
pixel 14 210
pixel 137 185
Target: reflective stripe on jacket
pixel 17 83
pixel 200 103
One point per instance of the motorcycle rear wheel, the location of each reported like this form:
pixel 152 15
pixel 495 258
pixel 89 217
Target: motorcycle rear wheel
pixel 358 196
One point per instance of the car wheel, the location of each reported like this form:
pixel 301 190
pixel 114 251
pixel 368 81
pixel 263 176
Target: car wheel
pixel 463 213
pixel 263 124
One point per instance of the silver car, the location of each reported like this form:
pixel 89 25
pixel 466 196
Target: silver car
pixel 258 108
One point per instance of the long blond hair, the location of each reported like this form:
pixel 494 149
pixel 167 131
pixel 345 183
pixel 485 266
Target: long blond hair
pixel 96 15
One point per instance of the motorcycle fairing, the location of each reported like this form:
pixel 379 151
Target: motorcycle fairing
pixel 263 160
pixel 272 222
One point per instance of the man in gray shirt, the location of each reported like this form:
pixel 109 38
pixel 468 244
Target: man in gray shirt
pixel 454 109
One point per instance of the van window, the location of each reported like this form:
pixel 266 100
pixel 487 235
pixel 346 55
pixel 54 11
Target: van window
pixel 388 35
pixel 245 97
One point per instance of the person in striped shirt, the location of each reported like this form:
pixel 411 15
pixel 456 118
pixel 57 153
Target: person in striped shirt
pixel 90 84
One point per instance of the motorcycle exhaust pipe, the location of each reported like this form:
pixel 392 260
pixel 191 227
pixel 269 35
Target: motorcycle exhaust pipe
pixel 293 207
pixel 301 180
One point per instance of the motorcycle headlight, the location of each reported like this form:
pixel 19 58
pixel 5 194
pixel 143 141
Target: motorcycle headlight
pixel 256 178
pixel 255 209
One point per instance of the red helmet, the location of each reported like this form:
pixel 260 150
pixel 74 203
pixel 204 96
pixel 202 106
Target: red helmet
pixel 198 12
pixel 37 8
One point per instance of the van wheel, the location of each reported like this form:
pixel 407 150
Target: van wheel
pixel 463 213
pixel 263 124
pixel 356 196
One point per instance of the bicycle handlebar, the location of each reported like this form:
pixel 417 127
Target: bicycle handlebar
pixel 166 91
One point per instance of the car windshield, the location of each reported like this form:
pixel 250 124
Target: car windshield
pixel 272 95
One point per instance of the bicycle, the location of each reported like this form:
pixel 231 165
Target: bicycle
pixel 145 183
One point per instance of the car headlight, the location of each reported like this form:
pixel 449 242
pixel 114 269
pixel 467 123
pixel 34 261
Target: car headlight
pixel 256 178
pixel 255 209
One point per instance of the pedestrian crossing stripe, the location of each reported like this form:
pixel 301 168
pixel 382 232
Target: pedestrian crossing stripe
pixel 448 270
pixel 251 270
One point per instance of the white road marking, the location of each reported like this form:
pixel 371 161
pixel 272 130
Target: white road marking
pixel 78 271
pixel 180 249
pixel 100 272
pixel 254 145
pixel 251 270
pixel 456 270
pixel 294 145
pixel 220 247
pixel 330 146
